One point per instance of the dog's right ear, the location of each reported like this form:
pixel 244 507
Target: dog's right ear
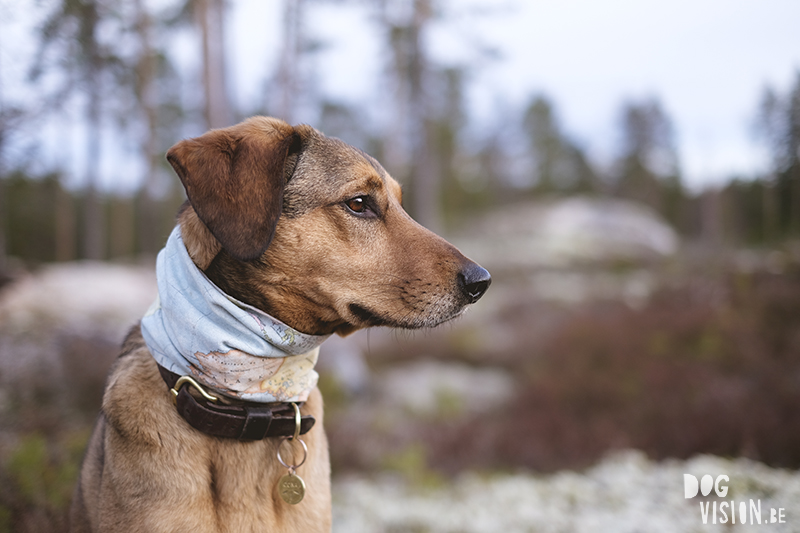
pixel 234 179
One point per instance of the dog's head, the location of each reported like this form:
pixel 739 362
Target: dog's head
pixel 312 231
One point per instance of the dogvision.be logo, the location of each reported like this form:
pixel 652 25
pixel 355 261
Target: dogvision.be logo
pixel 722 512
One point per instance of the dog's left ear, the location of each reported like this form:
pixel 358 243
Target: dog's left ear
pixel 234 178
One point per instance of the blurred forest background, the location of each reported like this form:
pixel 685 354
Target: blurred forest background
pixel 686 341
pixel 112 67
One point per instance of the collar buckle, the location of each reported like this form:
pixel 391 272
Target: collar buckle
pixel 184 380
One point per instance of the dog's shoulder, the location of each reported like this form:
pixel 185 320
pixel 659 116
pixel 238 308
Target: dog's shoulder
pixel 137 402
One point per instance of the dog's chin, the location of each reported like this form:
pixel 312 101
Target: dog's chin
pixel 365 318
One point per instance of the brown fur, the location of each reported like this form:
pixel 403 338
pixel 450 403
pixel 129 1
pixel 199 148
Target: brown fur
pixel 267 220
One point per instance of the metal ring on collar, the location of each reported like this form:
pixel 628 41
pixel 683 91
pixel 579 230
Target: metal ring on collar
pixel 297 421
pixel 292 467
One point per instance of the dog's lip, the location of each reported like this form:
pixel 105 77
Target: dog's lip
pixel 368 318
pixel 455 315
pixel 365 316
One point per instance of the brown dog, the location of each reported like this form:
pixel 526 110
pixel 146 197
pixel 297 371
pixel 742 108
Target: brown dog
pixel 311 231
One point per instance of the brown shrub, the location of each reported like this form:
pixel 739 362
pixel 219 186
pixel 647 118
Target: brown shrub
pixel 703 368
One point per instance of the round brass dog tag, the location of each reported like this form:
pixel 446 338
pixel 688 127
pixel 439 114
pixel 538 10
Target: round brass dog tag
pixel 292 488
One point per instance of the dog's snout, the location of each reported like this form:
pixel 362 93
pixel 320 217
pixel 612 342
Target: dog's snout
pixel 474 281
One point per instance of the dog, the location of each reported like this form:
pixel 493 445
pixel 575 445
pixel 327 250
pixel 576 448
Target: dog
pixel 303 236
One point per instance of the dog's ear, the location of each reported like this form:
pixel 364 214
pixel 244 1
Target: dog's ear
pixel 234 179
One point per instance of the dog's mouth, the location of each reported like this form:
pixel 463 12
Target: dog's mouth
pixel 367 318
pixel 409 320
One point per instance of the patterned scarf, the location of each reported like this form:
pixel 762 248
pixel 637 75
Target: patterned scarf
pixel 194 329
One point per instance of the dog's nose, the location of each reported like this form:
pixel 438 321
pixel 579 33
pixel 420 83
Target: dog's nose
pixel 474 280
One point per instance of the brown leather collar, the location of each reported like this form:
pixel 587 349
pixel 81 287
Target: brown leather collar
pixel 243 421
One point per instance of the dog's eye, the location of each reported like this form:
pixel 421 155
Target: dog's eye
pixel 359 206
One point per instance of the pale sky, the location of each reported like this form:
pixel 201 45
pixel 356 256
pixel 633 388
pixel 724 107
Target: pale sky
pixel 707 61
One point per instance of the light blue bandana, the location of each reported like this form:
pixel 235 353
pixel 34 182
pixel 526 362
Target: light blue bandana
pixel 194 329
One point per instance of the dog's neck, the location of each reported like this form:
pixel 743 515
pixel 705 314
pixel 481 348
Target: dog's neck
pixel 196 329
pixel 248 283
pixel 256 283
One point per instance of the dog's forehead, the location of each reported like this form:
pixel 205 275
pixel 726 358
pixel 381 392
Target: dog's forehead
pixel 340 157
pixel 326 167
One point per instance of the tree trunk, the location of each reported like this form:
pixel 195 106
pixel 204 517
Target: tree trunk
pixel 65 226
pixel 711 218
pixel 410 72
pixel 425 180
pixel 121 228
pixel 288 77
pixel 147 220
pixel 794 205
pixel 94 223
pixel 3 216
pixel 770 211
pixel 3 200
pixel 211 19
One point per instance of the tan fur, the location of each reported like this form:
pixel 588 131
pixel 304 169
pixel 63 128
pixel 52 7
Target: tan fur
pixel 268 222
pixel 147 470
pixel 202 247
